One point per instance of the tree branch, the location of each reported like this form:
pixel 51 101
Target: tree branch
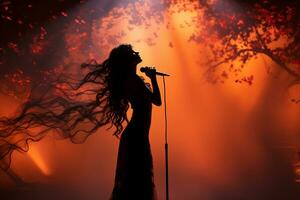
pixel 262 51
pixel 281 64
pixel 232 58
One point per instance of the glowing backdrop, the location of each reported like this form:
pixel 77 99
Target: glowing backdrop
pixel 230 140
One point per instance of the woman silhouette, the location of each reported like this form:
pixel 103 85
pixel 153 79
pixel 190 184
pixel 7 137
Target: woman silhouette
pixel 107 90
pixel 134 173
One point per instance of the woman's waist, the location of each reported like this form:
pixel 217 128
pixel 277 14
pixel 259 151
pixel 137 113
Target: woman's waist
pixel 141 121
pixel 141 118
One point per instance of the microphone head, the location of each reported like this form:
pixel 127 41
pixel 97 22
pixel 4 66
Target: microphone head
pixel 143 69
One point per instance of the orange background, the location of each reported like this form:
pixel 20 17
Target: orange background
pixel 226 140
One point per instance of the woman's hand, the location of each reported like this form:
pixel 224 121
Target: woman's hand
pixel 150 72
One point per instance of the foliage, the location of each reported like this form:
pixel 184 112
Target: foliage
pixel 240 30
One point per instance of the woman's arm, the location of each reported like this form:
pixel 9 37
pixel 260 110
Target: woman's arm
pixel 156 98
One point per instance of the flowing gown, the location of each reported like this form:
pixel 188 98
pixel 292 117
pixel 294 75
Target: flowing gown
pixel 134 172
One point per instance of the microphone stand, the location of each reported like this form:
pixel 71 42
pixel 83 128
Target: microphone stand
pixel 166 141
pixel 144 69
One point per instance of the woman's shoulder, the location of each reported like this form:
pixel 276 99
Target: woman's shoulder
pixel 135 85
pixel 134 80
pixel 130 82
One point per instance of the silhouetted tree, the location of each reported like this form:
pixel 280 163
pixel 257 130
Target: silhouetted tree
pixel 239 30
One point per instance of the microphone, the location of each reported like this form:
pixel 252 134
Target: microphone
pixel 145 69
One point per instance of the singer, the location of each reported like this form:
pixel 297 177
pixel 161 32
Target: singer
pixel 134 173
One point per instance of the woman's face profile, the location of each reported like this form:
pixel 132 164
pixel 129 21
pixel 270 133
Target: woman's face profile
pixel 136 57
pixel 125 55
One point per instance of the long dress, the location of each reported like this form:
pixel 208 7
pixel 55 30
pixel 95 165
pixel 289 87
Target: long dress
pixel 134 172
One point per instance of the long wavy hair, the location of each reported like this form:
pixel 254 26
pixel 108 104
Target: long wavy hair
pixel 72 109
